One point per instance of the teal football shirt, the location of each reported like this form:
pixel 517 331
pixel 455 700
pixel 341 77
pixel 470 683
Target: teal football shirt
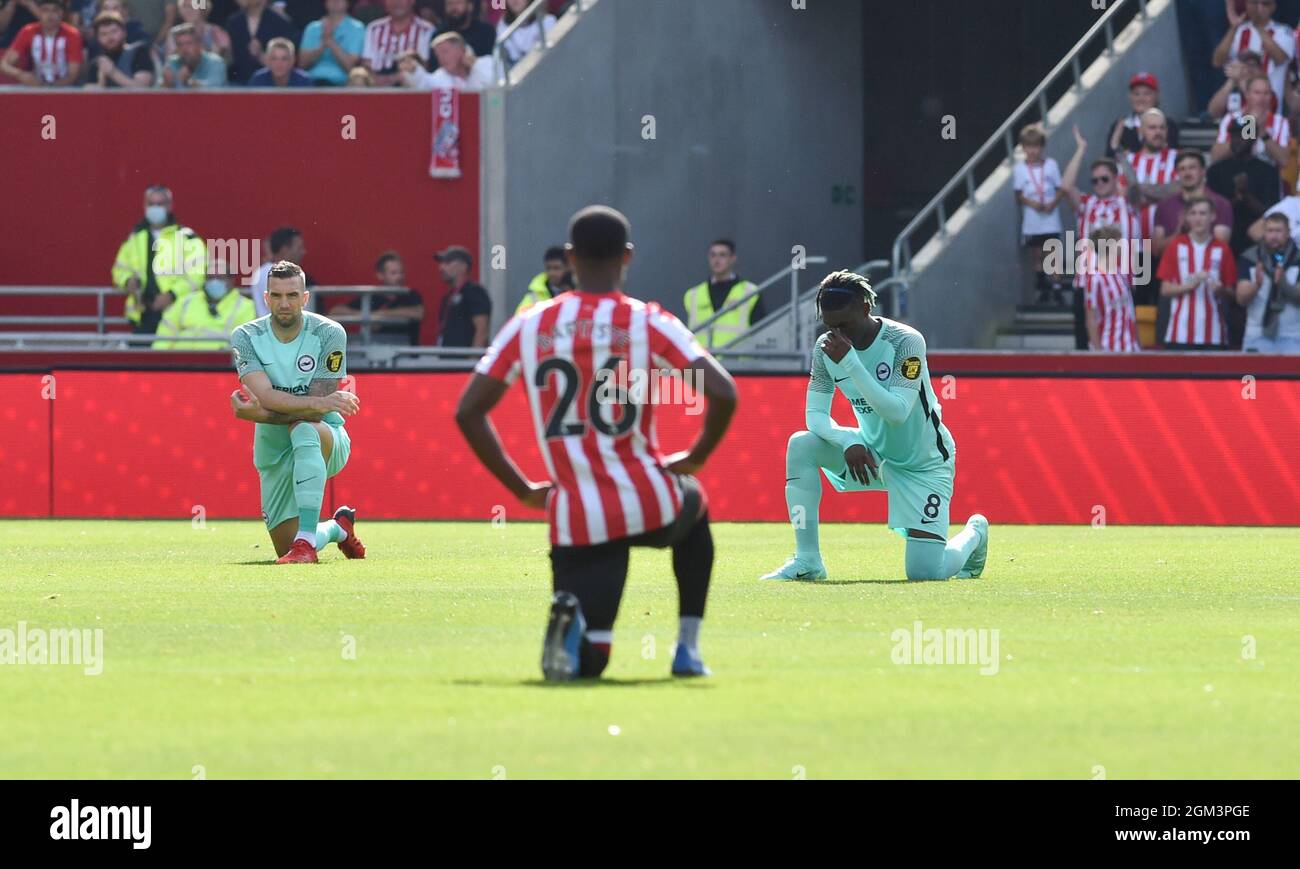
pixel 319 352
pixel 896 359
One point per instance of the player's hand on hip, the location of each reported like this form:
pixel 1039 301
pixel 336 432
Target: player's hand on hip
pixel 536 495
pixel 862 464
pixel 341 402
pixel 837 345
pixel 682 463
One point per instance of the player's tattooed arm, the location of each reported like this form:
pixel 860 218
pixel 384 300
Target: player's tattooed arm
pixel 247 407
pixel 321 399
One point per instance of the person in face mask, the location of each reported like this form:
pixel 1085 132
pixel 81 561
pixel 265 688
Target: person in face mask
pixel 461 18
pixel 208 318
pixel 159 263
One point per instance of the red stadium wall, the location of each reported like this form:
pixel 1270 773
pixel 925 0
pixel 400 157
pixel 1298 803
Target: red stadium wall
pixel 1030 450
pixel 239 164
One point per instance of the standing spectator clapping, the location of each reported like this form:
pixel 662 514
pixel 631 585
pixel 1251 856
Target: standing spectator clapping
pixel 1257 31
pixel 332 45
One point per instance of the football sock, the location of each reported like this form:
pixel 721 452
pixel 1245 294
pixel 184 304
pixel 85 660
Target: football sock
pixel 593 655
pixel 693 567
pixel 308 478
pixel 803 489
pixel 328 532
pixel 688 633
pixel 934 559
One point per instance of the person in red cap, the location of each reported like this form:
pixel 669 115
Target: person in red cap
pixel 1126 132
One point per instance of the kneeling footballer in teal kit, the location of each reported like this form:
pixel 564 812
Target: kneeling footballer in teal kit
pixel 880 366
pixel 291 363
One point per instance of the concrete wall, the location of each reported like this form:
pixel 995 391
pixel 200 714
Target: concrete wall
pixel 758 116
pixel 968 285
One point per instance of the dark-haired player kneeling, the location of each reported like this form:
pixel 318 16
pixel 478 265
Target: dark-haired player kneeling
pixel 612 489
pixel 881 368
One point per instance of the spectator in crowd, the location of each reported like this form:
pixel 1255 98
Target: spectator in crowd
pixel 207 318
pixel 157 17
pixel 1269 289
pixel 212 37
pixel 1231 98
pixel 284 244
pixel 392 36
pixel 1152 169
pixel 528 34
pixel 1104 206
pixel 159 263
pixel 15 15
pixel 251 29
pixel 191 66
pixel 724 287
pixel 1110 317
pixel 494 11
pixel 1249 184
pixel 1125 133
pixel 555 278
pixel 279 71
pixel 134 31
pixel 1200 25
pixel 1191 185
pixel 1269 130
pixel 45 53
pixel 1037 185
pixel 116 64
pixel 466 309
pixel 300 12
pixel 1196 272
pixel 396 316
pixel 460 18
pixel 458 68
pixel 360 77
pixel 1257 31
pixel 332 45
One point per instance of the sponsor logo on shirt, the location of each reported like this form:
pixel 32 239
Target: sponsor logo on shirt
pixel 911 367
pixel 334 361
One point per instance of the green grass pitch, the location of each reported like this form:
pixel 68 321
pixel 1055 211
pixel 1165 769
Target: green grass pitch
pixel 1123 653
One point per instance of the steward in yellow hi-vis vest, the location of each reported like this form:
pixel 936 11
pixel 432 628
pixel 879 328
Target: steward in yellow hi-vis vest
pixel 158 257
pixel 722 289
pixel 210 315
pixel 550 283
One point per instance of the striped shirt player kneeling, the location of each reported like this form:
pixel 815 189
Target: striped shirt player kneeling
pixel 611 487
pixel 881 368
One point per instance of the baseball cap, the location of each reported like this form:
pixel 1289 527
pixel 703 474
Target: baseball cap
pixel 455 252
pixel 1144 78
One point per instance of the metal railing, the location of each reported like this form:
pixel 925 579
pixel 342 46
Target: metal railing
pixel 901 257
pixel 792 271
pixel 529 18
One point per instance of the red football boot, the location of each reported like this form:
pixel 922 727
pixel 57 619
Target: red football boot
pixel 351 546
pixel 301 552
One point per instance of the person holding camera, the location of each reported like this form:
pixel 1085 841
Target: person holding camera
pixel 1269 289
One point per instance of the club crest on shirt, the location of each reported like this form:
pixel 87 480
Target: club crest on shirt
pixel 306 363
pixel 882 372
pixel 334 361
pixel 911 367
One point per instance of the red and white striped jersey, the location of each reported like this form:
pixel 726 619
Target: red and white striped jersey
pixel 602 453
pixel 48 56
pixel 385 43
pixel 1096 212
pixel 1151 168
pixel 1110 296
pixel 1246 38
pixel 1194 317
pixel 1276 126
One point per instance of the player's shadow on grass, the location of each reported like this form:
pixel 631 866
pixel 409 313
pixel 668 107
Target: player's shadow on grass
pixel 577 684
pixel 862 582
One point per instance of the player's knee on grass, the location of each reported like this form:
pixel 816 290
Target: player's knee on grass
pixel 924 558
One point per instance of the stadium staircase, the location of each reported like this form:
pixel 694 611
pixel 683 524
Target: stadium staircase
pixel 954 271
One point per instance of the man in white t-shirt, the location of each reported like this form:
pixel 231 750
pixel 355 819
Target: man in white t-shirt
pixel 1037 183
pixel 1257 31
pixel 458 68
